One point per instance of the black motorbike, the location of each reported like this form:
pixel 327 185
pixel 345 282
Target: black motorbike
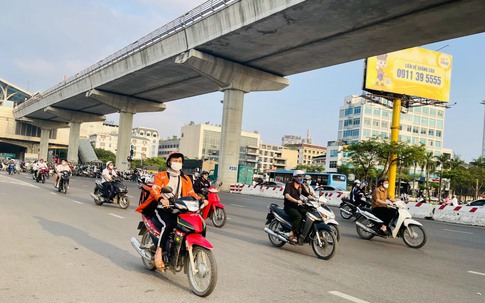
pixel 348 209
pixel 120 195
pixel 64 182
pixel 314 231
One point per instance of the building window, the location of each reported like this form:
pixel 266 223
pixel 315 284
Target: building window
pixel 438 133
pixel 375 123
pixel 377 112
pixel 357 110
pixel 440 113
pixel 415 130
pixel 334 153
pixel 439 124
pixel 431 132
pixel 367 121
pixel 356 121
pixel 368 110
pixel 333 164
pixel 423 131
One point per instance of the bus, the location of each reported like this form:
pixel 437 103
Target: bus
pixel 318 178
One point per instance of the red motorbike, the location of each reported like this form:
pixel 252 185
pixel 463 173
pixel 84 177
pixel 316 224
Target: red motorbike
pixel 215 209
pixel 187 248
pixel 42 175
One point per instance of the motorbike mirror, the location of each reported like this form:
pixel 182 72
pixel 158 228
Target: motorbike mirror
pixel 220 184
pixel 167 190
pixel 204 191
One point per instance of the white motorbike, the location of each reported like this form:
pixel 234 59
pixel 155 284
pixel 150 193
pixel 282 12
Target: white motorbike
pixel 328 216
pixel 402 225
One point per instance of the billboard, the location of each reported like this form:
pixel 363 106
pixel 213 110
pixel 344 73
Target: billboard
pixel 414 72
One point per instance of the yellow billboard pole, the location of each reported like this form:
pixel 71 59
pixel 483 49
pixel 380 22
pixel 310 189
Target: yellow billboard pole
pixel 396 115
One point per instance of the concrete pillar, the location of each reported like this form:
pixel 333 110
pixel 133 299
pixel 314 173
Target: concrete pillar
pixel 73 148
pixel 44 143
pixel 234 80
pixel 124 140
pixel 232 113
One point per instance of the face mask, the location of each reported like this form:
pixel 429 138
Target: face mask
pixel 299 180
pixel 385 185
pixel 309 182
pixel 110 167
pixel 176 166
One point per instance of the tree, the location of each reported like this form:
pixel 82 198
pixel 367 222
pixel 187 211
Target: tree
pixel 428 165
pixel 158 162
pixel 310 168
pixel 105 155
pixel 443 162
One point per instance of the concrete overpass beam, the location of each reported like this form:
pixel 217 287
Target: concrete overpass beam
pixel 73 149
pixel 125 103
pixel 234 80
pixel 124 140
pixel 44 143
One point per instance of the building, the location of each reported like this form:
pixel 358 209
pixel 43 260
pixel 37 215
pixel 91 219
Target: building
pixel 152 135
pixel 167 146
pixel 360 120
pixel 273 157
pixel 306 152
pixel 292 139
pixel 202 141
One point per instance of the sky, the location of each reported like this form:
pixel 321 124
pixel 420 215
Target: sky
pixel 44 41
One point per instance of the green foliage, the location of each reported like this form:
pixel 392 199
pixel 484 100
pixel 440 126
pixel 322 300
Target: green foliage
pixel 105 155
pixel 157 162
pixel 310 168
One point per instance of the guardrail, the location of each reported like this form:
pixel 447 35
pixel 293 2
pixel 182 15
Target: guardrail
pixel 199 13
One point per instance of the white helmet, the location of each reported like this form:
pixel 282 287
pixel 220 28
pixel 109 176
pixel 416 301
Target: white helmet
pixel 107 163
pixel 298 172
pixel 357 181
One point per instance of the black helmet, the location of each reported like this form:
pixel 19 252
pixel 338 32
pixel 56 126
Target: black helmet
pixel 381 181
pixel 175 154
pixel 204 172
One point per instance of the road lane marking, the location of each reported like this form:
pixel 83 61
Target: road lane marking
pixel 347 297
pixel 6 179
pixel 119 217
pixel 458 231
pixel 77 202
pixel 476 273
pixel 237 205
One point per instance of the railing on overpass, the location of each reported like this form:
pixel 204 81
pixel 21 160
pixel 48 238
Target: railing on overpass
pixel 199 13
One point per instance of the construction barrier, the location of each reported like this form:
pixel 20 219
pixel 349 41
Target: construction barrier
pixel 420 210
pixel 469 215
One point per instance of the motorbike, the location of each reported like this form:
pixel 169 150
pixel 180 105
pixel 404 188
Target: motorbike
pixel 402 225
pixel 215 209
pixel 314 231
pixel 187 248
pixel 63 182
pixel 120 193
pixel 348 209
pixel 328 216
pixel 41 176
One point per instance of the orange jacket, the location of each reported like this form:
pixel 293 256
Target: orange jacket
pixel 161 179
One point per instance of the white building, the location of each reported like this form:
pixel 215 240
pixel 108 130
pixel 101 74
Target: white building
pixel 360 120
pixel 167 146
pixel 152 135
pixel 203 141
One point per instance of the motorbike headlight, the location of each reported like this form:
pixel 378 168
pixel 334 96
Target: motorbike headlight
pixel 324 215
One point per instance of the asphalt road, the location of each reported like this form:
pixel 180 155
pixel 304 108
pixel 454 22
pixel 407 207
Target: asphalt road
pixel 64 248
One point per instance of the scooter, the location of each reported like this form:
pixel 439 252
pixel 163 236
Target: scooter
pixel 314 231
pixel 348 209
pixel 328 216
pixel 187 248
pixel 41 175
pixel 215 209
pixel 120 196
pixel 402 225
pixel 63 182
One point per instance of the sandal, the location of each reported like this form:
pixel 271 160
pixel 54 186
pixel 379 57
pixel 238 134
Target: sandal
pixel 293 239
pixel 159 264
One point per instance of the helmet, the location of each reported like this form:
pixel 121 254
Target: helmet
pixel 107 163
pixel 298 172
pixel 204 172
pixel 381 181
pixel 308 177
pixel 175 154
pixel 357 181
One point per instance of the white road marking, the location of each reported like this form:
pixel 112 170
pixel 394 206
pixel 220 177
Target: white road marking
pixel 77 202
pixel 476 273
pixel 347 297
pixel 53 193
pixel 6 179
pixel 458 231
pixel 119 217
pixel 237 205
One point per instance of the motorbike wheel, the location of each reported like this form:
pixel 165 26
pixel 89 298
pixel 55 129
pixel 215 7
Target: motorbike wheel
pixel 64 186
pixel 345 215
pixel 327 246
pixel 416 239
pixel 276 227
pixel 96 193
pixel 43 179
pixel 363 233
pixel 146 241
pixel 204 280
pixel 336 230
pixel 124 202
pixel 219 217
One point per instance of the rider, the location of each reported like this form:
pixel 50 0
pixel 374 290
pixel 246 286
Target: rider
pixel 308 185
pixel 163 218
pixel 202 182
pixel 357 195
pixel 40 166
pixel 381 201
pixel 59 169
pixel 107 179
pixel 292 192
